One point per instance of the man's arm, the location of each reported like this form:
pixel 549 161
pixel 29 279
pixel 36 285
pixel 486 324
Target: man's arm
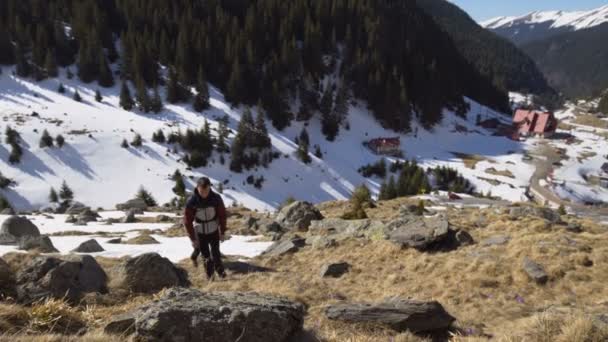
pixel 221 214
pixel 189 214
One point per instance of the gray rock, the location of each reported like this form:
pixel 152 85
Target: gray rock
pixel 574 227
pixel 129 217
pixel 41 244
pixel 321 242
pixel 418 232
pixel 71 219
pixel 407 210
pixel 7 280
pixel 162 219
pixel 80 222
pixel 535 271
pixel 89 246
pixel 192 315
pixel 87 215
pixel 399 315
pixel 464 238
pixel 334 270
pixel 285 247
pixel 149 273
pixel 136 203
pixel 497 240
pixel 7 211
pixel 15 227
pixel 298 216
pixel 546 213
pixel 76 208
pixel 263 225
pixel 50 277
pixel 340 229
pixel 115 241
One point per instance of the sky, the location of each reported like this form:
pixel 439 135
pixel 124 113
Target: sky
pixel 483 9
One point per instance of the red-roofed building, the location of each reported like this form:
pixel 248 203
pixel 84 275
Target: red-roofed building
pixel 388 146
pixel 534 123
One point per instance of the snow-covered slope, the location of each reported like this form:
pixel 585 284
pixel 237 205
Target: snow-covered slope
pixel 576 20
pixel 102 174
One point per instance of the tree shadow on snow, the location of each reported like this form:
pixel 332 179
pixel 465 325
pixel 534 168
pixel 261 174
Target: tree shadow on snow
pixel 70 157
pixel 17 201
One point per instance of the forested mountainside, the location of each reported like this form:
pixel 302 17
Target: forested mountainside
pixel 290 57
pixel 494 57
pixel 574 62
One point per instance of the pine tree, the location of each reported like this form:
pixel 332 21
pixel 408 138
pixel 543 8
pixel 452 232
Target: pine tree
pixel 23 65
pixel 12 136
pixel 126 101
pixel 146 196
pixel 175 91
pixel 65 193
pixel 391 188
pixel 98 96
pixel 77 97
pixel 201 100
pixel 603 105
pixel 159 137
pixel 141 96
pixel 303 143
pixel 237 155
pixel 53 197
pixel 137 141
pixel 50 64
pixel 261 132
pixel 61 88
pixel 180 187
pixel 318 152
pixel 124 143
pixel 16 153
pixel 46 140
pixel 60 141
pixel 156 103
pixel 105 78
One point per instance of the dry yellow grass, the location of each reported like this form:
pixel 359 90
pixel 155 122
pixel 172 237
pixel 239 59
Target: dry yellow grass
pixel 470 160
pixel 591 121
pixel 504 173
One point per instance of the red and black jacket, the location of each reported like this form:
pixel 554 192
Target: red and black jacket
pixel 196 202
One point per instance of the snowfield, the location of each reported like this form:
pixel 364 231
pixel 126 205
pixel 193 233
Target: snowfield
pixel 102 174
pixel 576 20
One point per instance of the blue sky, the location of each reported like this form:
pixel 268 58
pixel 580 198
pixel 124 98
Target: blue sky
pixel 484 9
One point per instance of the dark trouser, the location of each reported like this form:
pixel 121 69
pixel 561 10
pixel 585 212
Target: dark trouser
pixel 209 246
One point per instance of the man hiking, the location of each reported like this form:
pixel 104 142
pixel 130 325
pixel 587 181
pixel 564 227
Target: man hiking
pixel 205 222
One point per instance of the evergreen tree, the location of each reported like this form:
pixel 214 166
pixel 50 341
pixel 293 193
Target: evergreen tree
pixel 124 143
pixel 61 88
pixel 98 96
pixel 46 140
pixel 146 196
pixel 60 140
pixel 53 197
pixel 222 136
pixel 318 152
pixel 603 105
pixel 156 103
pixel 105 78
pixel 142 97
pixel 303 143
pixel 175 91
pixel 23 65
pixel 16 153
pixel 180 187
pixel 12 136
pixel 65 192
pixel 201 100
pixel 76 96
pixel 137 141
pixel 391 188
pixel 261 132
pixel 126 101
pixel 50 64
pixel 159 137
pixel 237 154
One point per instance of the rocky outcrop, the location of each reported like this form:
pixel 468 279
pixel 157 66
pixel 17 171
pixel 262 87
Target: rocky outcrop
pixel 420 233
pixel 87 215
pixel 192 315
pixel 263 225
pixel 149 273
pixel 298 216
pixel 50 277
pixel 545 213
pixel 138 204
pixel 497 240
pixel 143 239
pixel 76 208
pixel 283 247
pixel 334 270
pixel 14 228
pixel 535 271
pixel 398 314
pixel 89 246
pixel 129 216
pixel 40 244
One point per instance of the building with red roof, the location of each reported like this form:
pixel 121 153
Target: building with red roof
pixel 534 123
pixel 387 146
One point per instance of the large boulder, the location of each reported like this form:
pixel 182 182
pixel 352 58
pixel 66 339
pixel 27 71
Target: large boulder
pixel 50 277
pixel 535 271
pixel 334 270
pixel 191 315
pixel 76 208
pixel 283 247
pixel 545 213
pixel 40 244
pixel 421 233
pixel 298 216
pixel 7 280
pixel 129 217
pixel 397 314
pixel 149 273
pixel 16 227
pixel 263 225
pixel 89 246
pixel 138 204
pixel 87 215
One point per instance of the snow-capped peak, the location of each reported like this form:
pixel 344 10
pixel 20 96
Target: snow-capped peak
pixel 576 20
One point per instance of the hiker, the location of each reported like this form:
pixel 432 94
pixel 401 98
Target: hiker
pixel 205 222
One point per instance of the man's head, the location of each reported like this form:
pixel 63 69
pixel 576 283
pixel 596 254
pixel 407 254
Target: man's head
pixel 203 186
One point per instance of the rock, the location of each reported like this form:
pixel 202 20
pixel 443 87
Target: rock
pixel 80 222
pixel 334 270
pixel 464 238
pixel 114 241
pixel 497 240
pixel 398 314
pixel 136 203
pixel 574 227
pixel 129 217
pixel 546 213
pixel 142 240
pixel 406 210
pixel 191 315
pixel 89 246
pixel 15 228
pixel 7 211
pixel 150 273
pixel 71 219
pixel 241 267
pixel 285 247
pixel 340 229
pixel 76 208
pixel 418 232
pixel 162 219
pixel 321 242
pixel 298 215
pixel 535 271
pixel 41 244
pixel 50 277
pixel 7 280
pixel 87 215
